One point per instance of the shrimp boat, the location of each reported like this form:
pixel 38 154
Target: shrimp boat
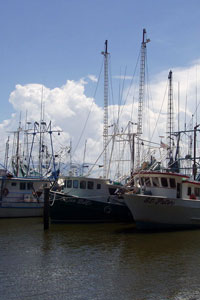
pixel 90 199
pixel 164 200
pixel 86 199
pixel 22 189
pixel 168 198
pixel 21 197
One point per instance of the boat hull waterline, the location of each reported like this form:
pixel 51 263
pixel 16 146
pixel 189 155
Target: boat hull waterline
pixel 154 212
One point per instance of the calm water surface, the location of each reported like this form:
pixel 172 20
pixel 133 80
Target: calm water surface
pixel 103 262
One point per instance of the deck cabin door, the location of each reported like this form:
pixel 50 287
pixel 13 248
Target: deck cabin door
pixel 178 190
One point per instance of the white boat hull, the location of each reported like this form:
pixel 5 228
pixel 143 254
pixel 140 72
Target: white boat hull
pixel 20 210
pixel 154 212
pixel 22 197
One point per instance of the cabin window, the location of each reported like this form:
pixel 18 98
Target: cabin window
pixel 65 184
pixel 22 185
pixel 172 183
pixel 13 184
pixel 147 181
pixel 197 192
pixel 75 184
pixel 90 185
pixel 164 182
pixel 82 184
pixel 29 186
pixel 98 186
pixel 155 181
pixel 189 191
pixel 69 184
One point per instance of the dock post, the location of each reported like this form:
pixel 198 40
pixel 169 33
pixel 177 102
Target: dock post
pixel 46 209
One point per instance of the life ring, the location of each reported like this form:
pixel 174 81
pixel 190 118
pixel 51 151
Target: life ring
pixel 107 210
pixel 5 192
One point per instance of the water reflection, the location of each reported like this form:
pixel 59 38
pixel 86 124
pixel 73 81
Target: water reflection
pixel 102 261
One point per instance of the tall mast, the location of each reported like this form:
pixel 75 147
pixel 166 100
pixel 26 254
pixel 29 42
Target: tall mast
pixel 170 119
pixel 17 150
pixel 105 118
pixel 40 156
pixel 141 91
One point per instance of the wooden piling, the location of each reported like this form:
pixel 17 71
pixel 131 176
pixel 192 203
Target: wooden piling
pixel 46 209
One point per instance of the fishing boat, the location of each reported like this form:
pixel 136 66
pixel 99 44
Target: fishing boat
pixel 90 199
pixel 164 200
pixel 21 197
pixel 22 184
pixel 169 197
pixel 86 199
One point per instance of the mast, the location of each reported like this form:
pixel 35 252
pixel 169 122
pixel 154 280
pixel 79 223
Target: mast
pixel 40 154
pixel 194 164
pixel 132 146
pixel 6 154
pixel 170 120
pixel 141 91
pixel 17 149
pixel 84 154
pixel 70 156
pixel 105 118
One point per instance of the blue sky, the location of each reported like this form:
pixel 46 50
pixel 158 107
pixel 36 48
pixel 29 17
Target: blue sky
pixel 56 43
pixel 48 42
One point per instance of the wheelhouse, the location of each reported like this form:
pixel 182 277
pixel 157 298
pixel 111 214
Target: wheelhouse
pixel 83 186
pixel 156 183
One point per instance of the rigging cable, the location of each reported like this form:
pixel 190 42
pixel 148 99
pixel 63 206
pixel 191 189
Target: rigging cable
pixel 131 84
pixel 159 112
pixel 88 112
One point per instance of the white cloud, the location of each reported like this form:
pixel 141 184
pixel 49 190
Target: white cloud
pixel 68 107
pixel 93 78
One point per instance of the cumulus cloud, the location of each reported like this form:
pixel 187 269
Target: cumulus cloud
pixel 68 108
pixel 81 119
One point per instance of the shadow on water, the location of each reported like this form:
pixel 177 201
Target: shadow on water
pixel 97 261
pixel 131 229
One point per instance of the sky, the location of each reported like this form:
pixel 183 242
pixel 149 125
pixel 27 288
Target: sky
pixel 52 50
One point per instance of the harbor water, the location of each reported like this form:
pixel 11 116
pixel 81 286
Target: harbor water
pixel 96 262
